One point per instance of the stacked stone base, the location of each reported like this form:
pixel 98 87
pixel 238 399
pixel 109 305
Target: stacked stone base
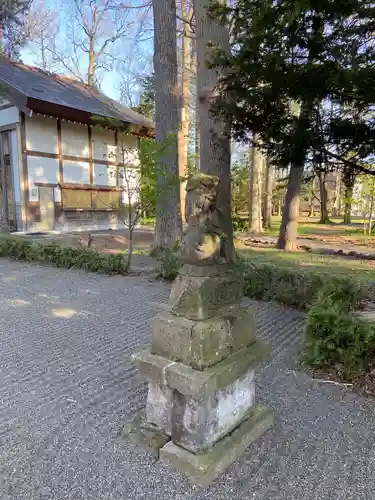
pixel 200 412
pixel 202 469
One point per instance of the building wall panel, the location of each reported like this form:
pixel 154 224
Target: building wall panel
pixel 75 139
pixel 103 144
pixel 41 134
pixel 76 171
pixel 8 116
pixel 41 170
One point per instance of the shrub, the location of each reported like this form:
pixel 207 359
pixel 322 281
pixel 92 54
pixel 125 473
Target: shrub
pixel 294 287
pixel 239 224
pixel 69 257
pixel 170 262
pixel 334 337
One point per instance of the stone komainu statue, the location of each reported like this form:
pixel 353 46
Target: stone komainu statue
pixel 204 240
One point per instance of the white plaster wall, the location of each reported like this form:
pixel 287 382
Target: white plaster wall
pixel 41 134
pixel 103 144
pixel 75 139
pixel 127 141
pixel 9 115
pixel 41 170
pixel 129 179
pixel 128 150
pixel 76 171
pixel 104 175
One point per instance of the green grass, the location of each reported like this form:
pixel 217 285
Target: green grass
pixel 325 264
pixel 147 221
pixel 137 251
pixel 311 227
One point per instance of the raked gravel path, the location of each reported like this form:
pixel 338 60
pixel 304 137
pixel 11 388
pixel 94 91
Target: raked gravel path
pixel 67 385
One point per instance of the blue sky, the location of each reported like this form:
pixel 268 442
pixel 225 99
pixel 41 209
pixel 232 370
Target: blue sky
pixel 131 59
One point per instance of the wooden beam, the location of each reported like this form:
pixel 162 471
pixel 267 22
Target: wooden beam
pixel 6 106
pixel 82 159
pixel 89 187
pixel 8 126
pixel 90 154
pixel 116 145
pixel 45 184
pixel 60 151
pixel 25 173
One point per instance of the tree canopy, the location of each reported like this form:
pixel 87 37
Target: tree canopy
pixel 12 23
pixel 318 54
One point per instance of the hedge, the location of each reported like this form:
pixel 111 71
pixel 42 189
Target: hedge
pixel 336 339
pixel 69 257
pixel 294 287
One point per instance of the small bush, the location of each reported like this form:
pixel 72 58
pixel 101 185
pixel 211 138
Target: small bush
pixel 69 257
pixel 294 287
pixel 170 262
pixel 334 337
pixel 239 224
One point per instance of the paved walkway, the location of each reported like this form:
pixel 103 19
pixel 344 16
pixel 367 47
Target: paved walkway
pixel 67 385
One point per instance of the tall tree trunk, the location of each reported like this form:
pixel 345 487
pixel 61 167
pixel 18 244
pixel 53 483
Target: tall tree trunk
pixel 311 205
pixel 193 61
pixel 183 135
pixel 255 195
pixel 289 222
pixel 348 205
pixel 197 145
pixel 168 213
pixel 91 68
pixel 348 181
pixel 337 198
pixel 214 133
pixel 323 189
pixel 279 207
pixel 267 195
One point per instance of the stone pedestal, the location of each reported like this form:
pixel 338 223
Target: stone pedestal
pixel 200 373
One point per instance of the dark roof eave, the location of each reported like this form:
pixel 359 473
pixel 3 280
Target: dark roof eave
pixel 76 115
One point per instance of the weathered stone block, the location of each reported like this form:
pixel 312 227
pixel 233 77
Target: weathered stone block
pixel 190 382
pixel 195 343
pixel 140 431
pixel 203 469
pixel 171 337
pixel 152 367
pixel 159 396
pixel 210 342
pixel 198 423
pixel 243 328
pixel 200 293
pixel 159 406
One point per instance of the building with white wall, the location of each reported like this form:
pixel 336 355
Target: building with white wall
pixel 61 151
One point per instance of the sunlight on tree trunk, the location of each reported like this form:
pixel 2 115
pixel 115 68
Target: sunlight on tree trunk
pixel 267 196
pixel 289 223
pixel 255 195
pixel 214 133
pixel 183 135
pixel 168 214
pixel 323 189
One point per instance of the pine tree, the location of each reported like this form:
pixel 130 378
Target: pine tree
pixel 313 55
pixel 12 24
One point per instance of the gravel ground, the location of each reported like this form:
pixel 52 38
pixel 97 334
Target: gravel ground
pixel 67 385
